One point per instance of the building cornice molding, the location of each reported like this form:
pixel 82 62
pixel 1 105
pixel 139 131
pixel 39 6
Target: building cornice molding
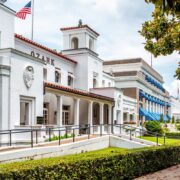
pixel 20 53
pixel 7 9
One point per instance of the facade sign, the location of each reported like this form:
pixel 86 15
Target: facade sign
pixel 46 59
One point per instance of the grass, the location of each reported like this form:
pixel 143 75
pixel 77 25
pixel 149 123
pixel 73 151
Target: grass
pixel 168 141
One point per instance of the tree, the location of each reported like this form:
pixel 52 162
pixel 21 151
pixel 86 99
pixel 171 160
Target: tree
pixel 162 33
pixel 173 120
pixel 154 127
pixel 161 118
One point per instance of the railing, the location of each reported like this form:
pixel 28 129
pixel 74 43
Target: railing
pixel 34 137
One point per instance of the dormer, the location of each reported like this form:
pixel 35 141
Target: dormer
pixel 79 37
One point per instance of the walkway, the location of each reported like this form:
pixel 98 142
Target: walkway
pixel 172 173
pixel 52 143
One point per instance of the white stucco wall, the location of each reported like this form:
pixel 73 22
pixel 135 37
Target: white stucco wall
pixel 18 88
pixel 6 27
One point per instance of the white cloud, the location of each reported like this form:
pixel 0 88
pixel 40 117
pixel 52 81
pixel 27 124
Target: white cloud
pixel 118 22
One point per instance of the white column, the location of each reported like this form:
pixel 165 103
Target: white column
pixel 110 121
pixel 147 105
pixel 101 113
pixel 59 110
pixel 76 112
pixel 90 113
pixel 4 99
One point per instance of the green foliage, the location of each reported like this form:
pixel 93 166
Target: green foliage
pixel 178 121
pixel 161 118
pixel 55 138
pixel 154 127
pixel 178 127
pixel 173 135
pixel 173 120
pixel 165 130
pixel 115 166
pixel 162 33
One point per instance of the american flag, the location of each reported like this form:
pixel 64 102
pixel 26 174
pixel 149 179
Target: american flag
pixel 24 11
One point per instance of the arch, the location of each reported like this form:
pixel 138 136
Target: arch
pixel 96 114
pixel 75 43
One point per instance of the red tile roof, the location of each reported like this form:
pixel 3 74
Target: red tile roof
pixel 79 27
pixel 44 48
pixel 75 91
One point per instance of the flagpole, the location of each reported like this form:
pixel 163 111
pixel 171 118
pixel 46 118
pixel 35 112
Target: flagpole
pixel 32 27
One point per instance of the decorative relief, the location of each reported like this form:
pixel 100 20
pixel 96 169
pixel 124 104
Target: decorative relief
pixel 28 76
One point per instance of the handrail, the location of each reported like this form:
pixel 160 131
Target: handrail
pixel 86 128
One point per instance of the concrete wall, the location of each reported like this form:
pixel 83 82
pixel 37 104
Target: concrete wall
pixel 71 148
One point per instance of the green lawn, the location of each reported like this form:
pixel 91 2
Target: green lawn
pixel 161 140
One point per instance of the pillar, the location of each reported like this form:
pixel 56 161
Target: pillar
pixel 101 113
pixel 90 113
pixel 76 112
pixel 110 121
pixel 59 110
pixel 4 99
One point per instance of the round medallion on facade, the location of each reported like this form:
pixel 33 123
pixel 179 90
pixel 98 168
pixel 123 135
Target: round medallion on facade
pixel 28 76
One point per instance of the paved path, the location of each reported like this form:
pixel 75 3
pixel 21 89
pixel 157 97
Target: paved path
pixel 52 143
pixel 172 173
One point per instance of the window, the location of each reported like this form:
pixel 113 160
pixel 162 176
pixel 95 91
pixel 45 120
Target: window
pixel 45 74
pixel 94 83
pixel 70 80
pixel 75 43
pixel 57 77
pixel 27 116
pixel 90 44
pixel 103 83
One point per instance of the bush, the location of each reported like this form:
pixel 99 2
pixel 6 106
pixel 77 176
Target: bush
pixel 178 127
pixel 154 127
pixel 161 118
pixel 55 138
pixel 173 135
pixel 173 120
pixel 166 130
pixel 117 166
pixel 178 121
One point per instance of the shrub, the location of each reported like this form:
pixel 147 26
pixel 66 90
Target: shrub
pixel 173 135
pixel 161 118
pixel 154 127
pixel 165 130
pixel 178 127
pixel 117 166
pixel 55 138
pixel 173 120
pixel 178 121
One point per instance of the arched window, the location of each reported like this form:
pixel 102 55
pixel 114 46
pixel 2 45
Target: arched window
pixel 75 43
pixel 91 44
pixel 57 77
pixel 70 81
pixel 94 83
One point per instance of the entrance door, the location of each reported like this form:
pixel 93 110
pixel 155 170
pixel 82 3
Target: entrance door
pixel 45 116
pixel 66 115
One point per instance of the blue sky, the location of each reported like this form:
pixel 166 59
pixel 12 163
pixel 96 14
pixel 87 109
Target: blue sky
pixel 117 21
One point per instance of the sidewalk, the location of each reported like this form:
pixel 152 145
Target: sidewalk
pixel 172 173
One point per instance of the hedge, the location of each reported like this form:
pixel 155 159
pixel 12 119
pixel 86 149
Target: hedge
pixel 116 166
pixel 173 135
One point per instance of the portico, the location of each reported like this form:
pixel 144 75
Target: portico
pixel 85 108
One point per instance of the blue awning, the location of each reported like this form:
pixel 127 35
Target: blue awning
pixel 166 118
